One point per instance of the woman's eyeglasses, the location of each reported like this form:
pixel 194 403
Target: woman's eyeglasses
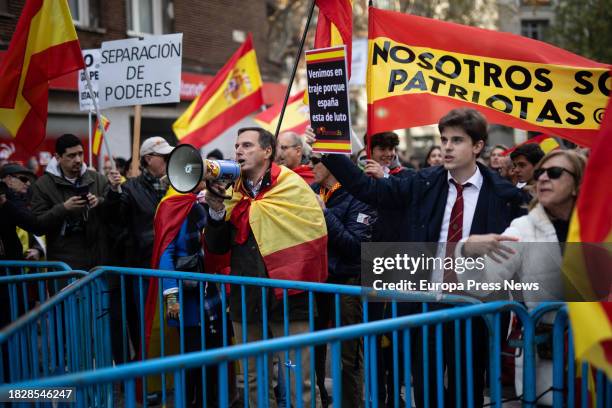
pixel 315 160
pixel 553 173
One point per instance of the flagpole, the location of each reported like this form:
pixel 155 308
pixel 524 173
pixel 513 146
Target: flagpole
pixel 295 65
pixel 100 124
pixel 89 138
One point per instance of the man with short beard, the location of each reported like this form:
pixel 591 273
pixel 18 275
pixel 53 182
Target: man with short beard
pixel 68 201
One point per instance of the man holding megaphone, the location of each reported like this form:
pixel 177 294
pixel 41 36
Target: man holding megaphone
pixel 275 228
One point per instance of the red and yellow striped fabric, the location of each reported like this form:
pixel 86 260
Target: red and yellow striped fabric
pixel 588 269
pixel 547 144
pixel 171 212
pixel 235 92
pixel 295 119
pixel 427 67
pixel 96 144
pixel 44 46
pixel 288 225
pixel 335 26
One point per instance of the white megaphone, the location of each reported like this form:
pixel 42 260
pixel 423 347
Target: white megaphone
pixel 186 169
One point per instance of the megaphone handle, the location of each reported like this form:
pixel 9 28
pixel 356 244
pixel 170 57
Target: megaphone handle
pixel 215 192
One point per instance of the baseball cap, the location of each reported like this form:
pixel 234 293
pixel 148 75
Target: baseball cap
pixel 155 145
pixel 14 168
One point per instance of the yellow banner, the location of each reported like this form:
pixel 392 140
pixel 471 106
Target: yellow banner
pixel 541 94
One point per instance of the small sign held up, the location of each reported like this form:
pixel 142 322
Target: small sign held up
pixel 92 62
pixel 141 72
pixel 328 99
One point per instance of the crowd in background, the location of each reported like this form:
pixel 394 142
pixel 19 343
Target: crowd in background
pixel 74 214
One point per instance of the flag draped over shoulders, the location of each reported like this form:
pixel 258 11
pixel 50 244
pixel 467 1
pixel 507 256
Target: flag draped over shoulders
pixel 288 225
pixel 169 216
pixel 44 46
pixel 171 212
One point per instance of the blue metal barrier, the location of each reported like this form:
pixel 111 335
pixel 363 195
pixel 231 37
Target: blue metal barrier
pixel 87 383
pixel 365 295
pixel 25 291
pixel 82 311
pixel 67 333
pixel 24 283
pixel 22 267
pixel 564 373
pixel 89 291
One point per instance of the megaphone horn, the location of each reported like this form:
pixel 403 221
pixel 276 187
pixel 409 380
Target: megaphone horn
pixel 185 168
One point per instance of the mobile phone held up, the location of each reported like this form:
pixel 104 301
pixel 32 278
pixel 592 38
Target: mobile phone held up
pixel 82 191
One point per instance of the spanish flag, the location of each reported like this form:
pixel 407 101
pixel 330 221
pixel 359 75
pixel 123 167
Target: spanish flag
pixel 96 144
pixel 288 225
pixel 335 26
pixel 171 212
pixel 428 67
pixel 295 119
pixel 547 144
pixel 235 92
pixel 588 268
pixel 44 46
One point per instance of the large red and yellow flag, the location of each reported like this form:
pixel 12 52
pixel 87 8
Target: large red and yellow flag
pixel 420 68
pixel 44 46
pixel 588 267
pixel 295 119
pixel 288 226
pixel 335 26
pixel 235 92
pixel 171 212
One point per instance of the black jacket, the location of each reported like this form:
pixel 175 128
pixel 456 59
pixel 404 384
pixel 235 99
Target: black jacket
pixel 421 197
pixel 349 223
pixel 135 209
pixel 78 238
pixel 386 228
pixel 14 213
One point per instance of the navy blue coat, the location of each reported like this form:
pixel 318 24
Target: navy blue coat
pixel 387 227
pixel 349 223
pixel 422 198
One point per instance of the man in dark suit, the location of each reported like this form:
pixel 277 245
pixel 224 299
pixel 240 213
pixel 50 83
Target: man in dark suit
pixel 443 204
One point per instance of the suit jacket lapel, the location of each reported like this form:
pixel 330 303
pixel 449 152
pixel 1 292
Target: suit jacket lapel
pixel 437 209
pixel 483 209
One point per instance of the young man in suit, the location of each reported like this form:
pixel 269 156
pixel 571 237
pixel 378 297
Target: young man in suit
pixel 443 204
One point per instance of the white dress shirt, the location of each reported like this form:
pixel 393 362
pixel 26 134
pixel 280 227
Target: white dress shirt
pixel 470 199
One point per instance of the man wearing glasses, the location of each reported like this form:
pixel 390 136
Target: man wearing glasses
pixel 14 203
pixel 139 198
pixel 293 153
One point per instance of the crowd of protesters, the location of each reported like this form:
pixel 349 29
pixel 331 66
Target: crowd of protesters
pixel 84 218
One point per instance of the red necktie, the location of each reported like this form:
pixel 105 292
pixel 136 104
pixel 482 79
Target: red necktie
pixel 455 226
pixel 455 229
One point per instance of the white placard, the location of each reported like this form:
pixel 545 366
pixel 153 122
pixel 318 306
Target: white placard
pixel 141 72
pixel 92 62
pixel 359 62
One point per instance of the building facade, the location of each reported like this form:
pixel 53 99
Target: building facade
pixel 212 31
